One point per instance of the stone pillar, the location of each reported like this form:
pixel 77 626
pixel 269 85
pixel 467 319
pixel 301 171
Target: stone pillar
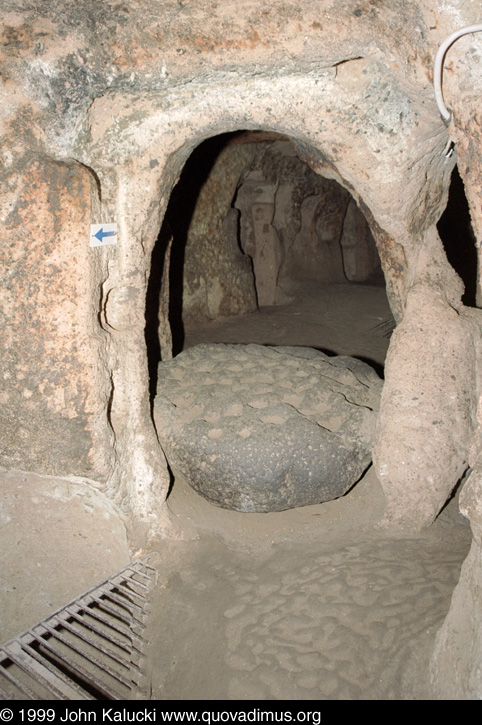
pixel 456 664
pixel 53 399
pixel 428 408
pixel 360 257
pixel 259 238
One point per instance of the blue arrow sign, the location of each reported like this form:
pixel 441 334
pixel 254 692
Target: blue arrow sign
pixel 101 234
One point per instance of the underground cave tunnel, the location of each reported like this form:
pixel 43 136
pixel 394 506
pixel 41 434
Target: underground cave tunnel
pixel 96 128
pixel 262 249
pixel 258 248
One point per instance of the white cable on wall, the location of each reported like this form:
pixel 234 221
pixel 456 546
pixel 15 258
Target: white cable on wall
pixel 438 68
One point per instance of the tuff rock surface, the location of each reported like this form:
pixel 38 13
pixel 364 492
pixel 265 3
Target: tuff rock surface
pixel 263 429
pixel 119 113
pixel 102 104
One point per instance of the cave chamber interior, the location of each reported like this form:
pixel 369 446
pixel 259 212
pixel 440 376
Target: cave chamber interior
pixel 264 250
pixel 307 603
pixel 256 247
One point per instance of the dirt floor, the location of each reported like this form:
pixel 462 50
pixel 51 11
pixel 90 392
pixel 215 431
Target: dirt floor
pixel 309 604
pixel 346 319
pixel 58 538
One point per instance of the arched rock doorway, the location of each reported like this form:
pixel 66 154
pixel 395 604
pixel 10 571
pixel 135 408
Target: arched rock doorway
pixel 251 227
pixel 258 248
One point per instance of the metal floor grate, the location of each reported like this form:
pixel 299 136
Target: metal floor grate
pixel 91 649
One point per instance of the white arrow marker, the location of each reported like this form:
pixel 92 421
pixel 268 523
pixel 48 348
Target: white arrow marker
pixel 103 234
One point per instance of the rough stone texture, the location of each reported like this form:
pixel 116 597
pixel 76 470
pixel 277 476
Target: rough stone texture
pixel 427 415
pixel 457 658
pixel 350 82
pixel 217 279
pixel 266 429
pixel 63 401
pixel 52 413
pixel 456 662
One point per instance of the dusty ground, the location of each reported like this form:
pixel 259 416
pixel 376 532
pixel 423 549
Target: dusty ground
pixel 309 604
pixel 58 538
pixel 347 319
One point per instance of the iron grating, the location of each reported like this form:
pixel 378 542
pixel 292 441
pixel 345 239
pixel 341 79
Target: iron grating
pixel 91 649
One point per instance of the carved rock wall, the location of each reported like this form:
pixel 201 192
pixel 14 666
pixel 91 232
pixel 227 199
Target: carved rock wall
pixel 430 369
pixel 456 662
pixel 53 411
pixel 351 83
pixel 456 665
pixel 97 126
pixel 298 225
pixel 259 197
pixel 216 278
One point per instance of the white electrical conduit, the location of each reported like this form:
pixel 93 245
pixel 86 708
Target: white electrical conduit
pixel 438 68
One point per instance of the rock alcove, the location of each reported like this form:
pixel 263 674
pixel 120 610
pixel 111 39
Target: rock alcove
pixel 249 228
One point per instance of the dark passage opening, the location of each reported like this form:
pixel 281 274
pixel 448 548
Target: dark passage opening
pixel 458 238
pixel 175 227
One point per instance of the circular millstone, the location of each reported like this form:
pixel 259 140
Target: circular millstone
pixel 255 428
